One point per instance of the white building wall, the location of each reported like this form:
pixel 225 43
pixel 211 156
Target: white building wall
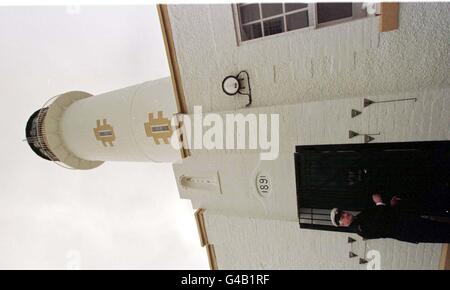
pixel 312 79
pixel 252 243
pixel 251 218
pixel 340 61
pixel 326 122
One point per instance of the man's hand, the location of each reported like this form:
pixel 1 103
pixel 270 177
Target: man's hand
pixel 377 198
pixel 395 200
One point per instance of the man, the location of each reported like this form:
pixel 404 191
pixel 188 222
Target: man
pixel 392 221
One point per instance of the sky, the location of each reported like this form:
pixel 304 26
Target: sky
pixel 121 215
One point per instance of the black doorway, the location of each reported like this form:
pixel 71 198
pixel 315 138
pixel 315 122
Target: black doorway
pixel 346 176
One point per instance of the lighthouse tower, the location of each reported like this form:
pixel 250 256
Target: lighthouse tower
pixel 81 131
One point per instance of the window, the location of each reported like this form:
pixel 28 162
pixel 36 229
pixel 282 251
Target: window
pixel 260 20
pixel 265 19
pixel 331 13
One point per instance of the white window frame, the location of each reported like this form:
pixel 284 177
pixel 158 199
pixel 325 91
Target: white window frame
pixel 312 19
pixel 237 22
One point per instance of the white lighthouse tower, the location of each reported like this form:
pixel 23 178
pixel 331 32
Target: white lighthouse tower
pixel 81 131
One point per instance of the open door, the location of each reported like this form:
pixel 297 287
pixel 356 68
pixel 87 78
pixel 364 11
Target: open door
pixel 346 176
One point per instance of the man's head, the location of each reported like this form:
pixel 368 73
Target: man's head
pixel 341 218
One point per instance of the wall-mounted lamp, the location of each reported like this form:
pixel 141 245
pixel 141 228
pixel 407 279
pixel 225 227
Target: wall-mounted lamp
pixel 239 84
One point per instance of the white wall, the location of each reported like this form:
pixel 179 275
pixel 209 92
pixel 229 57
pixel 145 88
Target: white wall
pixel 341 61
pixel 325 122
pixel 252 243
pixel 312 79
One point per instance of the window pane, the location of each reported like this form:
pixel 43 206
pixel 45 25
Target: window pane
pixel 271 9
pixel 251 31
pixel 249 13
pixel 297 20
pixel 294 6
pixel 273 26
pixel 333 11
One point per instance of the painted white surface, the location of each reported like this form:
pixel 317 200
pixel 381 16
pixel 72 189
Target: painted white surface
pixel 325 122
pixel 53 136
pixel 341 61
pixel 253 218
pixel 126 110
pixel 312 79
pixel 254 243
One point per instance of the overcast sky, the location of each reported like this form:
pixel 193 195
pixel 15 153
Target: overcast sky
pixel 119 215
